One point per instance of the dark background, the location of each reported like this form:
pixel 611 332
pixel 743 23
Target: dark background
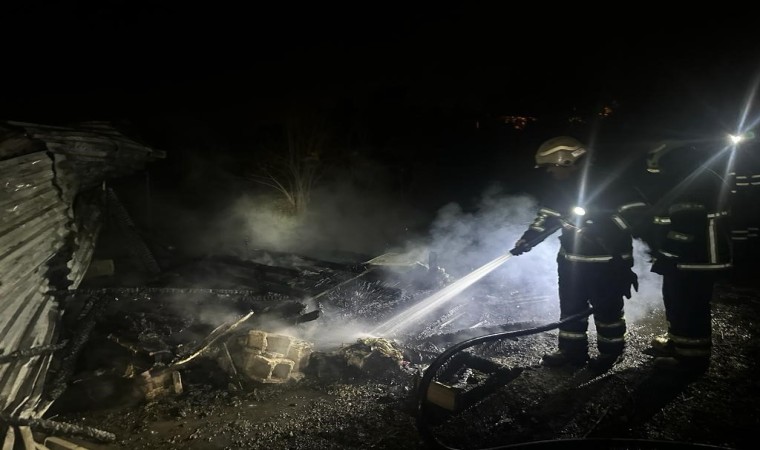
pixel 419 88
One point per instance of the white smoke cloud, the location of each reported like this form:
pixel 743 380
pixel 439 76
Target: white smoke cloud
pixel 339 218
pixel 461 238
pixel 649 297
pixel 464 241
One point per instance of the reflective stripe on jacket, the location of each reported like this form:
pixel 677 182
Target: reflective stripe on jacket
pixel 692 238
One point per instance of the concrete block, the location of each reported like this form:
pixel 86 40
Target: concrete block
pixel 246 356
pixel 279 344
pixel 271 357
pixel 300 352
pixel 154 385
pixel 268 369
pixel 257 339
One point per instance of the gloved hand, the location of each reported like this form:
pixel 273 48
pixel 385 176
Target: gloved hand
pixel 521 246
pixel 632 280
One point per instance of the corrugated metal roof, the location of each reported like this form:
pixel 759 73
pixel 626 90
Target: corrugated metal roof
pixel 45 243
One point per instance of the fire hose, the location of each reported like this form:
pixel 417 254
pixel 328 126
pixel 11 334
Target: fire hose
pixel 431 371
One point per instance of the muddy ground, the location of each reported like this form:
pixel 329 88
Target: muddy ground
pixel 333 408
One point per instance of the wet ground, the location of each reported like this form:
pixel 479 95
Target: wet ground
pixel 362 410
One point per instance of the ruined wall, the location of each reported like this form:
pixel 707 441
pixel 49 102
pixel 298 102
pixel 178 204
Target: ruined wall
pixel 51 208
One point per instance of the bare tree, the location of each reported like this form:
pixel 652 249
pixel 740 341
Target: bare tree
pixel 295 164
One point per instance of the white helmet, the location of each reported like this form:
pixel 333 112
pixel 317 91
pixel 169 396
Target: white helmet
pixel 560 151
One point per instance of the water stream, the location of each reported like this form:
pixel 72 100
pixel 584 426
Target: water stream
pixel 420 310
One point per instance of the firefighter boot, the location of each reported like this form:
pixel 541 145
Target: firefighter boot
pixel 661 346
pixel 564 357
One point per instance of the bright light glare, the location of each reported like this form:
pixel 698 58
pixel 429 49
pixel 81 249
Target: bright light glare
pixel 737 138
pixel 578 211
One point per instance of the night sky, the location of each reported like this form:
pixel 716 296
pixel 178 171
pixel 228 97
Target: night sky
pixel 419 78
pixel 128 58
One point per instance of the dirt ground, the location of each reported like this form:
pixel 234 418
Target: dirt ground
pixel 342 409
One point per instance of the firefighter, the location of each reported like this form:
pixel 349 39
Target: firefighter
pixel 690 245
pixel 745 216
pixel 595 259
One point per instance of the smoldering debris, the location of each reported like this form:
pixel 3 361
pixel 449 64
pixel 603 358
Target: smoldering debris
pixel 366 358
pixel 146 342
pixel 276 383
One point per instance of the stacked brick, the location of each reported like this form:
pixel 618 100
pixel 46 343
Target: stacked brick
pixel 273 358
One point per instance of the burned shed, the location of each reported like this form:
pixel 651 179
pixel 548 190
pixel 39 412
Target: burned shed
pixel 52 199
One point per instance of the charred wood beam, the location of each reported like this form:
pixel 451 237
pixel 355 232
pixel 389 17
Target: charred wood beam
pixel 222 330
pixel 34 351
pixel 309 316
pixel 51 426
pixel 341 284
pixel 237 262
pixel 235 373
pixel 239 273
pixel 337 266
pixel 125 291
pixel 135 291
pixel 88 318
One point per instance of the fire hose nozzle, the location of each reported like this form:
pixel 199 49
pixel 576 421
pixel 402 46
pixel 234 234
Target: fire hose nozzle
pixel 521 247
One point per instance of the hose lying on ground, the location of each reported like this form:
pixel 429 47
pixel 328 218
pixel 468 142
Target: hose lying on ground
pixel 431 371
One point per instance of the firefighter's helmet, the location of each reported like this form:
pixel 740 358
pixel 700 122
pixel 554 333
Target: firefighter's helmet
pixel 560 151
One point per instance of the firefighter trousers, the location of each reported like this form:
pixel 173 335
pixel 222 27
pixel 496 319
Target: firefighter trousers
pixel 686 296
pixel 596 284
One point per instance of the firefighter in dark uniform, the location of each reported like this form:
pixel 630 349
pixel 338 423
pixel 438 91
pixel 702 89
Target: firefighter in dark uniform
pixel 595 259
pixel 689 240
pixel 744 180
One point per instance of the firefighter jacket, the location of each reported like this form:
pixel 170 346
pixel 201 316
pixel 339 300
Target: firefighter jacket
pixel 744 181
pixel 602 234
pixel 688 221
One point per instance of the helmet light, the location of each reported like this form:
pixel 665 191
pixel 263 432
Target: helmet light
pixel 735 139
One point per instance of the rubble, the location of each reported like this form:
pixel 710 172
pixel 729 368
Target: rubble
pixel 372 355
pixel 262 386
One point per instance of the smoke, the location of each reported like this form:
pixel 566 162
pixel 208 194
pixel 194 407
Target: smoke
pixel 337 334
pixel 649 296
pixel 524 287
pixel 465 240
pixel 340 219
pixel 462 240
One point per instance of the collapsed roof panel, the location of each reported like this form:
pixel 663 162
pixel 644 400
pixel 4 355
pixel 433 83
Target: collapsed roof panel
pixel 50 215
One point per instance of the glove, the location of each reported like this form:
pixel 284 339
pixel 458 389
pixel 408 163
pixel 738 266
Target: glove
pixel 632 280
pixel 521 246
